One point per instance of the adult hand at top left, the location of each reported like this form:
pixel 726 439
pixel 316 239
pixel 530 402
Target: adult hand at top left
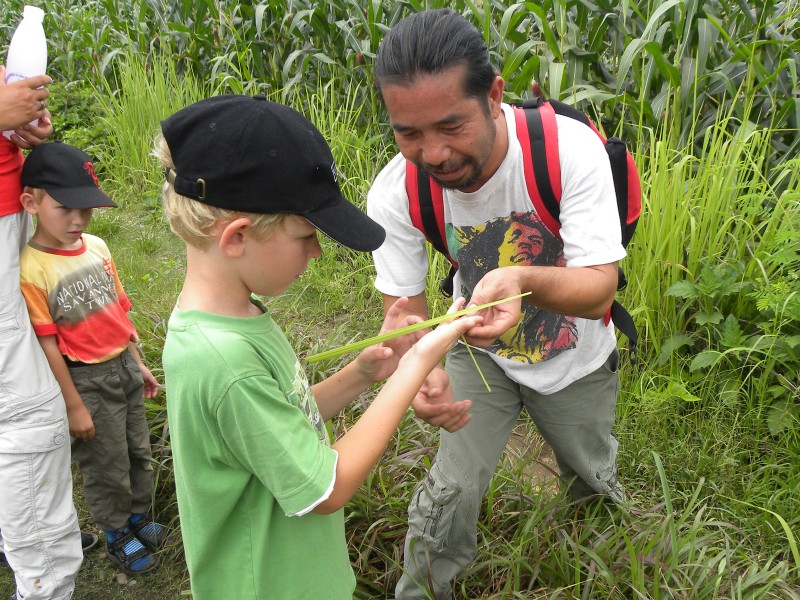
pixel 22 101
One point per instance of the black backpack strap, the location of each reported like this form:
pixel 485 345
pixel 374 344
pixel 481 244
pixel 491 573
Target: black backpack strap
pixel 624 322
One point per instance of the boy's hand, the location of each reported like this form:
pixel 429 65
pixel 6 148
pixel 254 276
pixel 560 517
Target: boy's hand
pixel 151 384
pixel 80 423
pixel 378 362
pixel 398 317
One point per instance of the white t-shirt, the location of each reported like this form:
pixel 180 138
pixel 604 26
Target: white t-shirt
pixel 498 226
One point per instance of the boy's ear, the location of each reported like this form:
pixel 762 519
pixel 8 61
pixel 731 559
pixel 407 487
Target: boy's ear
pixel 29 202
pixel 233 236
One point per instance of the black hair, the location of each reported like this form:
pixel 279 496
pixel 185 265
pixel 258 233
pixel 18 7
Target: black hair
pixel 431 42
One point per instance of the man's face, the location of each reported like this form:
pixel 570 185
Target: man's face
pixel 446 133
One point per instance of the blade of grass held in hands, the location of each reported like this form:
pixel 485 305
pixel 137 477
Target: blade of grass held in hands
pixel 390 335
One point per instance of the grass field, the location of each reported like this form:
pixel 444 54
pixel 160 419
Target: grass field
pixel 708 419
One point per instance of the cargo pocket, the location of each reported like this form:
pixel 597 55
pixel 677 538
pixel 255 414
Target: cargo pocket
pixel 433 509
pixel 37 438
pixel 10 324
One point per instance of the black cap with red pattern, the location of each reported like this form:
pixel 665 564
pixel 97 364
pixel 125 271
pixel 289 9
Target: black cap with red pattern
pixel 66 173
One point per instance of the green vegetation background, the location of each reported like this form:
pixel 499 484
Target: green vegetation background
pixel 705 93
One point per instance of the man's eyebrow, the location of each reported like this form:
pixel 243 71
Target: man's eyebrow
pixel 448 120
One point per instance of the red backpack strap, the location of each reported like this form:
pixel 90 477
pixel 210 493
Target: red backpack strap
pixel 426 208
pixel 538 135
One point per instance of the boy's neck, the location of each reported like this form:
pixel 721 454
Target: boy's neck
pixel 212 286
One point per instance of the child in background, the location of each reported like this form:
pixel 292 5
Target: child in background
pixel 79 313
pixel 260 487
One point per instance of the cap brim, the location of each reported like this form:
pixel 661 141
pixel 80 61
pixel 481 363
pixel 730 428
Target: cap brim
pixel 346 224
pixel 80 197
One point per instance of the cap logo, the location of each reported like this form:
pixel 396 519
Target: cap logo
pixel 333 172
pixel 89 167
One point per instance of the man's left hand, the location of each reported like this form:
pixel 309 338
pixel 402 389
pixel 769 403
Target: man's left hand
pixel 495 285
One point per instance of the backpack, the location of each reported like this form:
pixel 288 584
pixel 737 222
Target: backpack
pixel 538 135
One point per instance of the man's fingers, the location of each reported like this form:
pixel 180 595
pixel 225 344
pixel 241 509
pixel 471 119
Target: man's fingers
pixel 38 81
pixel 456 424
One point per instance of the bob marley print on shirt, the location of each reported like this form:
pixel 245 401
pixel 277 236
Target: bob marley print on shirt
pixel 520 239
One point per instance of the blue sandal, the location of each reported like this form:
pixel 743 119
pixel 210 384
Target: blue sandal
pixel 153 535
pixel 130 554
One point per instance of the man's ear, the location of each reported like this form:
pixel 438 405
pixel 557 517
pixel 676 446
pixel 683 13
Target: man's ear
pixel 29 203
pixel 233 237
pixel 496 96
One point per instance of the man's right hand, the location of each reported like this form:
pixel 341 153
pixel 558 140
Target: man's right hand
pixel 22 101
pixel 434 403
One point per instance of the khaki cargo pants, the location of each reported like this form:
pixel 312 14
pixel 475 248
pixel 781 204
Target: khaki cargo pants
pixel 115 465
pixel 442 517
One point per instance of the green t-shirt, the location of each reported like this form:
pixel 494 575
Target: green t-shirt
pixel 250 448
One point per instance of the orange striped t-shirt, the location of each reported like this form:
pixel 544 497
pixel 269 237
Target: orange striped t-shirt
pixel 77 296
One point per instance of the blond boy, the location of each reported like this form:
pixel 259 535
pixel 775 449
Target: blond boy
pixel 79 312
pixel 260 485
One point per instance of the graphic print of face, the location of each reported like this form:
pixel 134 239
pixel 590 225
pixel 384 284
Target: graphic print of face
pixel 519 239
pixel 524 243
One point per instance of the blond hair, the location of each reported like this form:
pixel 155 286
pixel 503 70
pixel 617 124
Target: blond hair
pixel 193 221
pixel 37 193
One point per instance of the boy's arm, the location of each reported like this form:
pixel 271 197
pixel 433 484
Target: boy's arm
pixel 361 447
pixel 374 364
pixel 80 421
pixel 151 384
pixel 338 390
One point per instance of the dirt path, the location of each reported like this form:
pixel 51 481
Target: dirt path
pixel 526 446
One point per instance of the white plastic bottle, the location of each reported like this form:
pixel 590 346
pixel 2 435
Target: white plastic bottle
pixel 27 52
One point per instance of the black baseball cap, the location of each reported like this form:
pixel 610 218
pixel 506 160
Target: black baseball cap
pixel 66 173
pixel 248 154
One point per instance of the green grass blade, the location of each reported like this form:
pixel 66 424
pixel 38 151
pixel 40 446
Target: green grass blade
pixel 786 529
pixel 390 335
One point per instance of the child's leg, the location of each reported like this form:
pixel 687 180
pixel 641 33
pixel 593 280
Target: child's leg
pixel 138 438
pixel 106 462
pixel 153 535
pixel 37 517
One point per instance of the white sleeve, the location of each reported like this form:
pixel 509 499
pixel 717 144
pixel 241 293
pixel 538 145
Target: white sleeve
pixel 589 219
pixel 401 263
